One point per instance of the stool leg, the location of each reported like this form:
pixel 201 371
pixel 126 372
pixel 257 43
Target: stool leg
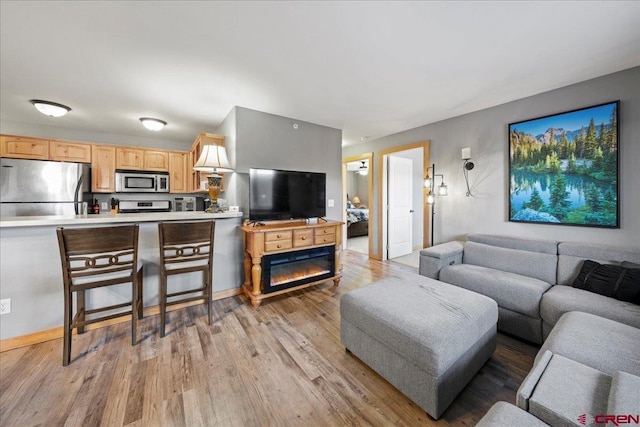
pixel 81 310
pixel 208 283
pixel 135 299
pixel 66 344
pixel 140 303
pixel 163 302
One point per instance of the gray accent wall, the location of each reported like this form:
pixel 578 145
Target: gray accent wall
pixel 485 132
pixel 263 140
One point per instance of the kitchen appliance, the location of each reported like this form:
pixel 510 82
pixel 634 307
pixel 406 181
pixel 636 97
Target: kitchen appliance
pixel 37 187
pixel 185 204
pixel 140 206
pixel 141 182
pixel 189 204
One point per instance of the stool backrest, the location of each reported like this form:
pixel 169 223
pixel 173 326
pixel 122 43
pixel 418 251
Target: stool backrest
pixel 100 255
pixel 186 244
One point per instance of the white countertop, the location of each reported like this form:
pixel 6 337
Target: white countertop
pixel 39 221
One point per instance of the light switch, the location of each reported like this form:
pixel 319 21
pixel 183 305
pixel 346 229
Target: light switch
pixel 330 203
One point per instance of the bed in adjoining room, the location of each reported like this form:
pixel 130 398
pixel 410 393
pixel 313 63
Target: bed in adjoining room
pixel 357 222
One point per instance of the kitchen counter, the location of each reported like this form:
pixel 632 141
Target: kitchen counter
pixel 38 221
pixel 31 272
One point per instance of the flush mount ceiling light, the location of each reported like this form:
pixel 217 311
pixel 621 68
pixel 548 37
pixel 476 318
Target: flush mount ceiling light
pixel 51 109
pixel 153 124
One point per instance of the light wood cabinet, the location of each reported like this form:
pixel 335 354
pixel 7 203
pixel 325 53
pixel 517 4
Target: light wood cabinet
pixel 19 147
pixel 133 158
pixel 103 168
pixel 280 237
pixel 70 152
pixel 155 160
pixel 178 172
pixel 23 147
pixel 196 178
pixel 129 158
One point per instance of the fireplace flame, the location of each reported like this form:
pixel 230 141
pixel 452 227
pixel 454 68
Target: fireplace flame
pixel 286 274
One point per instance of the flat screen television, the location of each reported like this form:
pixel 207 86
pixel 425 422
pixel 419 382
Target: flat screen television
pixel 281 194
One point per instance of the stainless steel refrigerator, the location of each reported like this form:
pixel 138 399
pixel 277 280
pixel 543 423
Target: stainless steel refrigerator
pixel 35 187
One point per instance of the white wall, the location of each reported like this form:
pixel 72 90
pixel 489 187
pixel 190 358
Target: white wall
pixel 55 132
pixel 486 131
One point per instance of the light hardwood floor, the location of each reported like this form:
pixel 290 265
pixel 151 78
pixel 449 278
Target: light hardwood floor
pixel 279 365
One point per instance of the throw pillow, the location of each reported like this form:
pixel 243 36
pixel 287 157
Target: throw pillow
pixel 613 281
pixel 629 264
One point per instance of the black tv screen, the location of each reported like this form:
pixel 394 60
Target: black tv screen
pixel 280 194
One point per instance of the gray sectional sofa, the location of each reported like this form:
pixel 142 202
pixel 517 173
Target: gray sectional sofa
pixel 530 279
pixel 588 367
pixel 586 372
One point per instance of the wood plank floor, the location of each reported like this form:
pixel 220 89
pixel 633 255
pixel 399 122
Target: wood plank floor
pixel 279 365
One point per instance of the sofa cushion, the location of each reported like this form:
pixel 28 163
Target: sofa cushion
pixel 600 343
pixel 572 254
pixel 504 414
pixel 624 396
pixel 562 299
pixel 568 389
pixel 510 242
pixel 513 291
pixel 538 265
pixel 613 281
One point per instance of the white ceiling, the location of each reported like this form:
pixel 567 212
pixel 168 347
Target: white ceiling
pixel 368 68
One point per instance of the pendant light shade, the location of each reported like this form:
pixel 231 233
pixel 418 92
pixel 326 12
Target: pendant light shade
pixel 51 109
pixel 153 124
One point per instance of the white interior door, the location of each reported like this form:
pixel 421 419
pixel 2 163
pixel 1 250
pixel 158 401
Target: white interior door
pixel 400 172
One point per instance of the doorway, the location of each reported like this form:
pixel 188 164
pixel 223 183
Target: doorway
pixel 357 179
pixel 403 223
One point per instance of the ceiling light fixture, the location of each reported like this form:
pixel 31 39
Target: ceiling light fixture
pixel 363 170
pixel 51 109
pixel 153 124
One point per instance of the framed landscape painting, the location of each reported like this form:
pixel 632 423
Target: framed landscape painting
pixel 563 169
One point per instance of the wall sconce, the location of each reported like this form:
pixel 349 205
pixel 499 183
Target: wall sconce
pixel 467 166
pixel 442 190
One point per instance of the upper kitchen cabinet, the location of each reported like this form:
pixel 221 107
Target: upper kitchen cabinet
pixel 23 147
pixel 70 152
pixel 197 180
pixel 103 169
pixel 178 172
pixel 155 160
pixel 129 158
pixel 19 147
pixel 133 158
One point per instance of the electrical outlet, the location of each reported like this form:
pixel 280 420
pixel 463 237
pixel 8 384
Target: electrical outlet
pixel 5 306
pixel 104 206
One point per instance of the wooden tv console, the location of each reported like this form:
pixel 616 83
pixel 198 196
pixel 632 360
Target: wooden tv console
pixel 275 237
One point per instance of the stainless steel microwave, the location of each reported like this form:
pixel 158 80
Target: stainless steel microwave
pixel 141 182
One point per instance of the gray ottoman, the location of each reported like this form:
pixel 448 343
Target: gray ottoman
pixel 425 337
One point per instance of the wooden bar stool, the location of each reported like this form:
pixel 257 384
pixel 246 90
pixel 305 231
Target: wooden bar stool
pixel 185 247
pixel 94 258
